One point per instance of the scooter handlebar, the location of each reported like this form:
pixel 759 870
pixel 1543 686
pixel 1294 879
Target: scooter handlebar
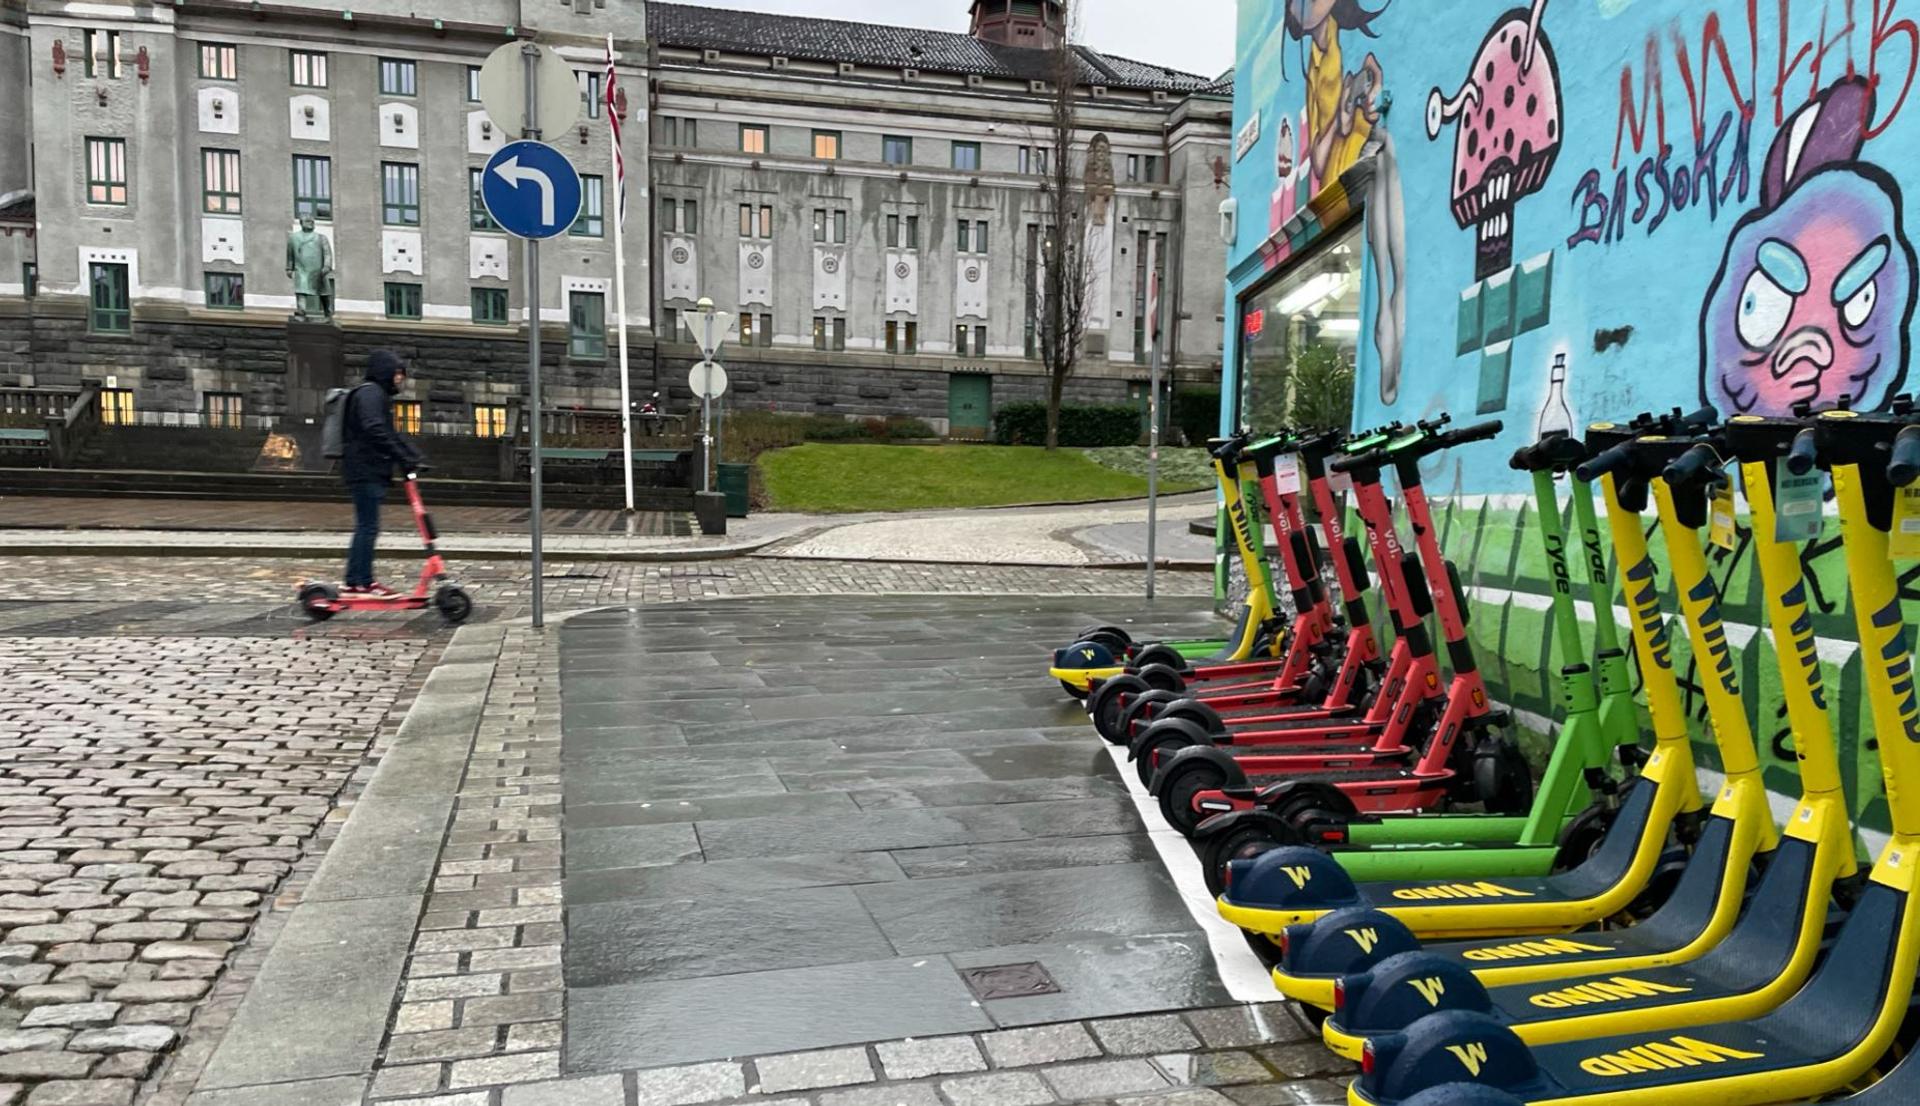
pixel 1800 456
pixel 1478 432
pixel 1698 463
pixel 1904 468
pixel 1604 463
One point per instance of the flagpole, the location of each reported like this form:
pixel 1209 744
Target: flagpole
pixel 620 276
pixel 1153 409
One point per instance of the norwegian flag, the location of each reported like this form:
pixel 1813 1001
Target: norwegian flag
pixel 619 156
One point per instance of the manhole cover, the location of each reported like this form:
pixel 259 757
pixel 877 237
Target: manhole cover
pixel 1009 981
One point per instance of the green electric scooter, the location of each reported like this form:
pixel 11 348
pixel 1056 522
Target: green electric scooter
pixel 1577 795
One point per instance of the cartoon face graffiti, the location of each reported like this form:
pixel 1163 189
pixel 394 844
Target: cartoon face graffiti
pixel 1816 290
pixel 1508 111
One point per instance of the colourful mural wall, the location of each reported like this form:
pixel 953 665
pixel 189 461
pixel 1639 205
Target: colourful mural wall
pixel 1581 209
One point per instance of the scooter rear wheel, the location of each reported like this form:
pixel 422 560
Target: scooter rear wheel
pixel 312 596
pixel 1242 842
pixel 453 603
pixel 1179 789
pixel 1160 654
pixel 1106 709
pixel 1075 690
pixel 1502 778
pixel 1136 712
pixel 1162 677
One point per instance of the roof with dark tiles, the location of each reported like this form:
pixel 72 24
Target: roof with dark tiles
pixel 833 40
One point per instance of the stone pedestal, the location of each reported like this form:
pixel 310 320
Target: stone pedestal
pixel 710 511
pixel 315 362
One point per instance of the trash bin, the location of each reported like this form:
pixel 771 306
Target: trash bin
pixel 733 485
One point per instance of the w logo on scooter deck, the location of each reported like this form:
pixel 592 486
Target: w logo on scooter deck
pixel 1365 938
pixel 1472 1057
pixel 1430 988
pixel 1899 664
pixel 1643 592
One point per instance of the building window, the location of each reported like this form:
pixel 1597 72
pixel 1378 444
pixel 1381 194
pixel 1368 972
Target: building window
pixel 748 227
pixel 753 138
pixel 766 221
pixel 223 410
pixel 587 324
pixel 591 222
pixel 979 341
pixel 219 61
pixel 589 91
pixel 1033 290
pixel 406 415
pixel 971 237
pixel 826 145
pixel 766 330
pixel 473 84
pixel 820 332
pixel 1145 167
pixel 399 194
pixel 102 54
pixel 829 226
pixel 679 217
pixel 112 307
pixel 895 150
pixel 674 130
pixel 669 329
pixel 226 290
pixel 1033 159
pixel 220 181
pixel 312 187
pixel 403 301
pixel 489 420
pixel 106 170
pixel 839 333
pixel 1146 242
pixel 490 306
pixel 746 329
pixel 116 406
pixel 746 220
pixel 306 69
pixel 960 340
pixel 966 155
pixel 29 279
pixel 397 77
pixel 478 218
pixel 903 336
pixel 903 232
pixel 1308 313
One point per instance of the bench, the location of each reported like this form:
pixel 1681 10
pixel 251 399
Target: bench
pixel 25 446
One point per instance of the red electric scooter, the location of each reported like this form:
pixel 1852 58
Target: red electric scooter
pixel 322 601
pixel 1200 773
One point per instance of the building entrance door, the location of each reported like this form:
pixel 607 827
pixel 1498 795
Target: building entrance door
pixel 969 406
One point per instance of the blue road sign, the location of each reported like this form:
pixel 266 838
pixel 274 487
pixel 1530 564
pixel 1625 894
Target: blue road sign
pixel 530 189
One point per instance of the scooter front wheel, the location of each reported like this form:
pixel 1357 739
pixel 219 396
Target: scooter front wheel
pixel 453 603
pixel 312 600
pixel 1182 787
pixel 1243 841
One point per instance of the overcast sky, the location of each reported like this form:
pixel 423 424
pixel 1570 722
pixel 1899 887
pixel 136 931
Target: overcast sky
pixel 1196 35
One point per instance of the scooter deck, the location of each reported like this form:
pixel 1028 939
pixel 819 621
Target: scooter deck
pixel 1817 1032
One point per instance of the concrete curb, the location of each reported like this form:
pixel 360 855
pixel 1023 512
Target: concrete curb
pixel 324 552
pixel 340 960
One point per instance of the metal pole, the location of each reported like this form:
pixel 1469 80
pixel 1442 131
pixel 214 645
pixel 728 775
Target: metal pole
pixel 706 405
pixel 530 128
pixel 1153 418
pixel 620 304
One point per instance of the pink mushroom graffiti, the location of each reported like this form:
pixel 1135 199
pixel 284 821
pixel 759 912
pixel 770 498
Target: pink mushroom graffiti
pixel 1508 134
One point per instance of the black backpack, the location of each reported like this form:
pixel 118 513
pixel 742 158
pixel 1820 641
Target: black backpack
pixel 333 429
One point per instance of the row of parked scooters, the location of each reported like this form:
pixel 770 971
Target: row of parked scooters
pixel 1613 935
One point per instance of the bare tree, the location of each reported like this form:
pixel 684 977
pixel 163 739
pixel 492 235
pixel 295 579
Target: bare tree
pixel 1065 275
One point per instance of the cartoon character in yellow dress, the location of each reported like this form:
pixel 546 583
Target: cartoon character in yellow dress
pixel 1342 107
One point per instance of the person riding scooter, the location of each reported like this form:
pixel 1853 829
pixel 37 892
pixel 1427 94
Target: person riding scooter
pixel 372 447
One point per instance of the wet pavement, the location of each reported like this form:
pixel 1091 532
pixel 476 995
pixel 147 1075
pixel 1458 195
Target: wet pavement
pixel 808 819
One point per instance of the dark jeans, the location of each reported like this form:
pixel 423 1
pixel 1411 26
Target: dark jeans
pixel 367 498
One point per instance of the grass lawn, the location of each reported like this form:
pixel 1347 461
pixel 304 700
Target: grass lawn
pixel 821 476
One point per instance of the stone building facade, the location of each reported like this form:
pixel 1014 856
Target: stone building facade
pixel 146 196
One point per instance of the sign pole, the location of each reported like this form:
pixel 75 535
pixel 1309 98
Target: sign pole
pixel 1153 412
pixel 706 409
pixel 531 130
pixel 620 293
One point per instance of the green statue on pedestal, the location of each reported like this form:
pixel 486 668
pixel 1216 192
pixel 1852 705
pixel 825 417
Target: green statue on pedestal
pixel 310 266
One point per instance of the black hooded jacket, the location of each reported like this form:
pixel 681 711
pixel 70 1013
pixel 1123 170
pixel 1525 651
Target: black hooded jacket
pixel 373 446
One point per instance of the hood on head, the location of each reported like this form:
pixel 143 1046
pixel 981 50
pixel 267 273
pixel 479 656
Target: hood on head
pixel 382 365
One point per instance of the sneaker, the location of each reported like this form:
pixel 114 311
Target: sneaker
pixel 354 589
pixel 382 591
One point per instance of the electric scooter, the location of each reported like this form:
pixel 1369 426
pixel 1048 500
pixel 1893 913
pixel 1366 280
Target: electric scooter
pixel 1324 674
pixel 1103 652
pixel 1771 949
pixel 1835 1028
pixel 1577 797
pixel 1360 925
pixel 1203 777
pixel 435 589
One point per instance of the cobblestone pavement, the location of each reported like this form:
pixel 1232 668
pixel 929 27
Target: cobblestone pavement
pixel 155 590
pixel 155 796
pixel 99 513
